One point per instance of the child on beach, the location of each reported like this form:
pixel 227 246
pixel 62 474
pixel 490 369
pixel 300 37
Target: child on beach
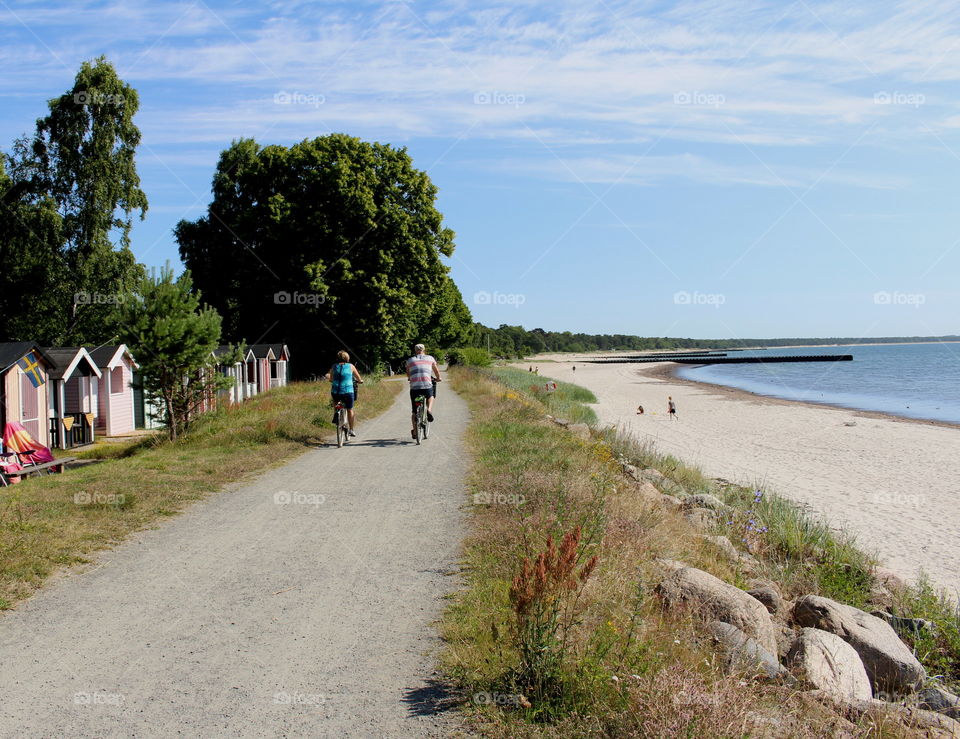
pixel 671 408
pixel 639 410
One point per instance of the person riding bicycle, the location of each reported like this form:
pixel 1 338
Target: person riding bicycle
pixel 423 374
pixel 342 377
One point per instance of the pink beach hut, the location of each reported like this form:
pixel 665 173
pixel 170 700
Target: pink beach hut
pixel 115 406
pixel 24 388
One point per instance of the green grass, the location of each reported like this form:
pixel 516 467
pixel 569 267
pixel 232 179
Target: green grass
pixel 51 521
pixel 566 402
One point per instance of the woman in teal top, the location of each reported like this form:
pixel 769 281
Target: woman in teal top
pixel 342 377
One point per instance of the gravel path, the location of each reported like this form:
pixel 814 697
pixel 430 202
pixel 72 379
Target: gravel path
pixel 301 604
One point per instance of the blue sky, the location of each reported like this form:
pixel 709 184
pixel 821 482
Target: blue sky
pixel 709 169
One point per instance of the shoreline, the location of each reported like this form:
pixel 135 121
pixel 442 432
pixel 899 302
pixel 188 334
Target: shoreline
pixel 888 481
pixel 663 371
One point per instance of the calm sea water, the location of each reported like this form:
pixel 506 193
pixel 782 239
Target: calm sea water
pixel 911 380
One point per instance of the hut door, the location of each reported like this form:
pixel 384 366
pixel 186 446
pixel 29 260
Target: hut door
pixel 30 407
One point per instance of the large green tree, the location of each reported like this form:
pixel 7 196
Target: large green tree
pixel 80 160
pixel 331 243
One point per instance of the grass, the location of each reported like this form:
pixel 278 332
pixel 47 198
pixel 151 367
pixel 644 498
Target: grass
pixel 620 665
pixel 566 402
pixel 58 520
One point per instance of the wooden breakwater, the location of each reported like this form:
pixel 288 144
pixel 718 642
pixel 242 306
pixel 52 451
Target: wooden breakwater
pixel 707 359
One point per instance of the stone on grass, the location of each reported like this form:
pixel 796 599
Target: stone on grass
pixel 906 625
pixel 719 601
pixel 653 475
pixel 942 701
pixel 701 518
pixel 742 654
pixel 580 429
pixel 890 665
pixel 670 501
pixel 770 598
pixel 724 545
pixel 705 500
pixel 830 664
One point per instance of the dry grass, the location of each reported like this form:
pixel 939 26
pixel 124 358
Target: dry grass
pixel 628 668
pixel 58 520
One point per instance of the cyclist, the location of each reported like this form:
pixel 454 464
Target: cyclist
pixel 423 374
pixel 342 376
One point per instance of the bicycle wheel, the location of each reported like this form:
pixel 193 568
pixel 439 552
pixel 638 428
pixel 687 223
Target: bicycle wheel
pixel 341 436
pixel 426 423
pixel 419 424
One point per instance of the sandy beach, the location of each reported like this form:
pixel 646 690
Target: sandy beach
pixel 892 483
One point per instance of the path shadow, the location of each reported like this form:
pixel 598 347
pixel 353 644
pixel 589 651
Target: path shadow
pixel 431 699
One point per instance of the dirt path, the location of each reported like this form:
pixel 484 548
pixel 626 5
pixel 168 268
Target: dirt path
pixel 301 604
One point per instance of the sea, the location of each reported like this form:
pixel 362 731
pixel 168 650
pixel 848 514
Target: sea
pixel 910 380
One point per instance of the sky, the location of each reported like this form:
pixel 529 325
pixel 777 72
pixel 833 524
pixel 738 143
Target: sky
pixel 710 169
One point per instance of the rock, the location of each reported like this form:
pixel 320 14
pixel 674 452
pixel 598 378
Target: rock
pixel 831 665
pixel 939 724
pixel 672 488
pixel 705 500
pixel 652 475
pixel 702 518
pixel 906 625
pixel 648 492
pixel 719 601
pixel 785 639
pixel 770 598
pixel 670 565
pixel 630 471
pixel 888 577
pixel 724 545
pixel 580 429
pixel 743 654
pixel 941 701
pixel 670 501
pixel 890 665
pixel 561 422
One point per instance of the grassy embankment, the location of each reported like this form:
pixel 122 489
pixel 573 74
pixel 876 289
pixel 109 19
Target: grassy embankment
pixel 565 650
pixel 56 520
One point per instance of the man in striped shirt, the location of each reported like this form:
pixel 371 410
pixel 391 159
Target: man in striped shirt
pixel 421 371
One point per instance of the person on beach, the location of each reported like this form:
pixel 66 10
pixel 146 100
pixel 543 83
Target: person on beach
pixel 574 368
pixel 344 379
pixel 671 408
pixel 423 373
pixel 639 410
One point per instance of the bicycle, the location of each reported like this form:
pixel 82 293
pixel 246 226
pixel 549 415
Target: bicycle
pixel 422 425
pixel 342 423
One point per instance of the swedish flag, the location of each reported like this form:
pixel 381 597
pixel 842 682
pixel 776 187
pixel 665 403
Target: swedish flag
pixel 31 368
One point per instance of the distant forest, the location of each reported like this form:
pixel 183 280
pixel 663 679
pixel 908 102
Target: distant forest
pixel 516 341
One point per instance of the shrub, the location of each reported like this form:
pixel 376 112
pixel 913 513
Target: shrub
pixel 469 356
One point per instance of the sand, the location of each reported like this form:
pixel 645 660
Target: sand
pixel 892 483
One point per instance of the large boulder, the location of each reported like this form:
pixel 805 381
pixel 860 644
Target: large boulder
pixel 768 594
pixel 890 665
pixel 831 665
pixel 719 601
pixel 743 654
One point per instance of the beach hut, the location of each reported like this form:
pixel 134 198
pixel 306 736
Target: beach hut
pixel 115 396
pixel 237 371
pixel 73 397
pixel 279 359
pixel 146 415
pixel 24 388
pixel 263 358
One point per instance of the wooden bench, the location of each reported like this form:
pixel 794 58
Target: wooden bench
pixel 35 469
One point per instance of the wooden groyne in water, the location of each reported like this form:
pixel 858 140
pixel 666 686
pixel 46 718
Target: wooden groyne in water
pixel 707 359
